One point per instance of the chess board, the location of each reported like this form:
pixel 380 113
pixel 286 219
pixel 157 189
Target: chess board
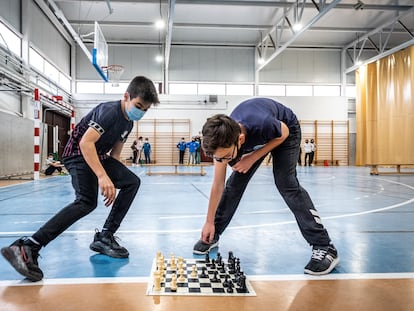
pixel 209 283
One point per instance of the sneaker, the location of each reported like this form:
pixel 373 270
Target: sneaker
pixel 106 243
pixel 324 259
pixel 201 248
pixel 22 255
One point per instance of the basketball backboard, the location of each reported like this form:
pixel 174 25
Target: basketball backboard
pixel 100 52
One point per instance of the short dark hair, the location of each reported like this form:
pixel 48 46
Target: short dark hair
pixel 219 131
pixel 144 88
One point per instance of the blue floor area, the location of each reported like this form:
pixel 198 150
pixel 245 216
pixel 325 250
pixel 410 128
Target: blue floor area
pixel 369 218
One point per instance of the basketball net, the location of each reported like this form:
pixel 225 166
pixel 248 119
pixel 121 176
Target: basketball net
pixel 114 73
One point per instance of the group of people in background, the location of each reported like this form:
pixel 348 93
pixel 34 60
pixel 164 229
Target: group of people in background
pixel 194 149
pixel 309 148
pixel 138 147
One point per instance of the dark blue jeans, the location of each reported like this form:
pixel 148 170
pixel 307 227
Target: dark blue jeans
pixel 85 184
pixel 285 158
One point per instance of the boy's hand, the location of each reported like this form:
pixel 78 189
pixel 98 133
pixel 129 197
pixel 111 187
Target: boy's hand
pixel 207 235
pixel 107 190
pixel 244 164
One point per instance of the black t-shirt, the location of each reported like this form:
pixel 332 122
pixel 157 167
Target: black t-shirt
pixel 109 121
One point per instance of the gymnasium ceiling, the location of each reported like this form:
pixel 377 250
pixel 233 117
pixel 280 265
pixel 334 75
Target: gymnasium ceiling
pixel 374 26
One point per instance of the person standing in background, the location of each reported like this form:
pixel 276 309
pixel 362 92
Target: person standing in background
pixel 147 151
pixel 182 145
pixel 308 149
pixel 312 154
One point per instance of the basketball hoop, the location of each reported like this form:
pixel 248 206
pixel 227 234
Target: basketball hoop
pixel 114 73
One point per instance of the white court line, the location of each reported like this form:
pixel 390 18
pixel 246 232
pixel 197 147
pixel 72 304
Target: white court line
pixel 277 277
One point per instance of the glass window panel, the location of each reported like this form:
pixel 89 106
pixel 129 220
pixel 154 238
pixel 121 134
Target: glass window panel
pixel 326 90
pixel 183 88
pixel 90 87
pixel 298 90
pixel 51 72
pixel 64 82
pixel 10 40
pixel 211 89
pixel 239 89
pixel 271 90
pixel 36 60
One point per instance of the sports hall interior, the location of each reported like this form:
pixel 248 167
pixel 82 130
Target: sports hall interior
pixel 346 68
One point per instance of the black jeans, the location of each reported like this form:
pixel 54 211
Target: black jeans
pixel 181 161
pixel 285 158
pixel 85 183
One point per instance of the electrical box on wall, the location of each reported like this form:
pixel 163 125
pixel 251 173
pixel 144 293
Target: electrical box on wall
pixel 212 98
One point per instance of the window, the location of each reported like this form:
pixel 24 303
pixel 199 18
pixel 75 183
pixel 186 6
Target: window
pixel 326 90
pixel 271 90
pixel 183 88
pixel 51 72
pixel 298 90
pixel 36 60
pixel 240 89
pixel 10 40
pixel 64 82
pixel 207 89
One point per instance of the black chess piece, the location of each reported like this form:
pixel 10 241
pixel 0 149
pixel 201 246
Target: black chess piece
pixel 242 284
pixel 213 264
pixel 215 278
pixel 203 273
pixel 226 280
pixel 230 287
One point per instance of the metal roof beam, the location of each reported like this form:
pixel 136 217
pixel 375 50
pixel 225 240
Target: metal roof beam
pixel 387 29
pixel 277 31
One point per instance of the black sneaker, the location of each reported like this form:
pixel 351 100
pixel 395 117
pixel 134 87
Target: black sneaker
pixel 105 243
pixel 324 259
pixel 22 255
pixel 201 248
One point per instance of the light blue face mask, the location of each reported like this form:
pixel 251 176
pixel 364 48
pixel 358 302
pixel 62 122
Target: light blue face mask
pixel 135 113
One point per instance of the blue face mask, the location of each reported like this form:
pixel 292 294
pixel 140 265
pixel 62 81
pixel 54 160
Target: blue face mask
pixel 135 113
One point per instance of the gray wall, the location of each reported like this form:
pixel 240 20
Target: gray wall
pixel 10 12
pixel 16 141
pixel 306 66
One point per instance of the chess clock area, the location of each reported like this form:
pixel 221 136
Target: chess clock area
pixel 208 277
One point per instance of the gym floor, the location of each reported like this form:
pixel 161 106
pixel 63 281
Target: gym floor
pixel 369 218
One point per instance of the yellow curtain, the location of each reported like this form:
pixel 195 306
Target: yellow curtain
pixel 385 110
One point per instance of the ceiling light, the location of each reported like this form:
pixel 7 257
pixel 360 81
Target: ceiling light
pixel 297 27
pixel 159 58
pixel 159 24
pixel 260 60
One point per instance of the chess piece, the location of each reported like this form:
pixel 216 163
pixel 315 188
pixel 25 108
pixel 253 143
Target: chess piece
pixel 215 278
pixel 157 281
pixel 226 281
pixel 173 283
pixel 181 279
pixel 242 284
pixel 203 273
pixel 230 287
pixel 173 263
pixel 194 272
